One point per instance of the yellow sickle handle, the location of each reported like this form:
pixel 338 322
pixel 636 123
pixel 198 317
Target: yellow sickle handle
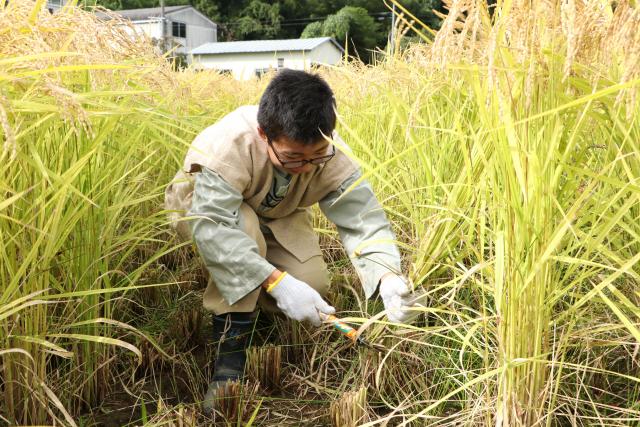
pixel 340 326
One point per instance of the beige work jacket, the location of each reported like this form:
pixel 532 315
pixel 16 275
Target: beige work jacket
pixel 234 150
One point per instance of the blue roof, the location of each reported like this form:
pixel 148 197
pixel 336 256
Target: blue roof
pixel 252 46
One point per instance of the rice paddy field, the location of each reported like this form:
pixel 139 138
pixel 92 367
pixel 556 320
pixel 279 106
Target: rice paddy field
pixel 505 149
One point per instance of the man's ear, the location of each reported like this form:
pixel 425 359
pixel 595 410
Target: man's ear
pixel 261 133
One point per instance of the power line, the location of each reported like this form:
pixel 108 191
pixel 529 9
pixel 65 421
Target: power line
pixel 301 21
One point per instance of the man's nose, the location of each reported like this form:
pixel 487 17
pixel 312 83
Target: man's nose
pixel 307 168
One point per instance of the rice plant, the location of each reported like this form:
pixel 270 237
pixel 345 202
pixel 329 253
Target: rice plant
pixel 82 154
pixel 505 150
pixel 516 184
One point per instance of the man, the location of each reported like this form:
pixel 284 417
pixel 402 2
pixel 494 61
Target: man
pixel 257 172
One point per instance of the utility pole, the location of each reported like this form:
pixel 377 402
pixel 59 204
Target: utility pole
pixel 163 38
pixel 393 29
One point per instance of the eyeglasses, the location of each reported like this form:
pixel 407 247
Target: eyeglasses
pixel 293 164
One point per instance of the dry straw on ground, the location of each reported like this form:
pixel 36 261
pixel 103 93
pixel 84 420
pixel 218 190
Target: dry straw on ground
pixel 350 409
pixel 236 402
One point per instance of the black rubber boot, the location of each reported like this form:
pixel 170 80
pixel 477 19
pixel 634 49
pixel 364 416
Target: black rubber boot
pixel 231 336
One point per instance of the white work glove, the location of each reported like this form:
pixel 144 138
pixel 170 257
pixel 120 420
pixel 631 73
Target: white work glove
pixel 299 301
pixel 396 298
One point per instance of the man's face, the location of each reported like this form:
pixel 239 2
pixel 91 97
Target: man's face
pixel 287 150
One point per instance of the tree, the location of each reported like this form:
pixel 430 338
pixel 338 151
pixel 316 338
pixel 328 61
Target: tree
pixel 258 20
pixel 352 26
pixel 312 30
pixel 207 8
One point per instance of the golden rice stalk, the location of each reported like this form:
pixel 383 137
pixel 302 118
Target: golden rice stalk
pixel 591 36
pixel 350 409
pixel 92 38
pixel 77 37
pixel 264 365
pixel 10 145
pixel 71 109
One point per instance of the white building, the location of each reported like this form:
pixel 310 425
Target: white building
pixel 55 5
pixel 247 59
pixel 185 28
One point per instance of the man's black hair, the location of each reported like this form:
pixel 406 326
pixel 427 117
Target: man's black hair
pixel 298 105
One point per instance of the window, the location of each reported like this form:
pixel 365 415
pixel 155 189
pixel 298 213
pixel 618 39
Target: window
pixel 179 29
pixel 52 5
pixel 261 71
pixel 280 62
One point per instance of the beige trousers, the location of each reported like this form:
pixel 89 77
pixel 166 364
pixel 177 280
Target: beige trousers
pixel 313 271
